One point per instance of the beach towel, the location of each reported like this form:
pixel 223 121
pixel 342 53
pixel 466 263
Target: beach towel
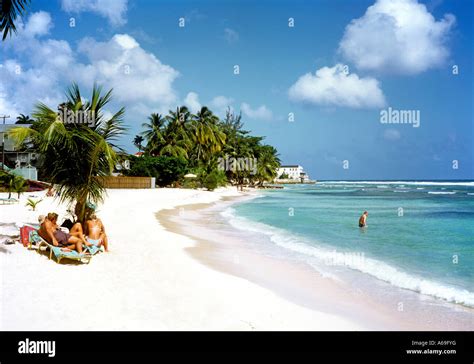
pixel 34 237
pixel 93 249
pixel 25 235
pixel 60 254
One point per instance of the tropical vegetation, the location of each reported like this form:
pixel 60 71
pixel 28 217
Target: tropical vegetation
pixel 12 183
pixel 10 10
pixel 216 151
pixel 32 203
pixel 75 155
pixel 24 119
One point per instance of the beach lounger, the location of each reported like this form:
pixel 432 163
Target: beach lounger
pixel 60 254
pixel 8 200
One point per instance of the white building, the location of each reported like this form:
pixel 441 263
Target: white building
pixel 293 172
pixel 18 162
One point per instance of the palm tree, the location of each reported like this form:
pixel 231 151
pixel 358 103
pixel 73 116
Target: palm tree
pixel 177 142
pixel 24 119
pixel 154 133
pixel 137 141
pixel 76 154
pixel 207 136
pixel 267 164
pixel 16 184
pixel 10 10
pixel 19 185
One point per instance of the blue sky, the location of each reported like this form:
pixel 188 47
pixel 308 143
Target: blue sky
pixel 341 64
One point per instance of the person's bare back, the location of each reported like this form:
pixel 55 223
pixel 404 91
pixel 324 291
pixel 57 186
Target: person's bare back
pixel 96 232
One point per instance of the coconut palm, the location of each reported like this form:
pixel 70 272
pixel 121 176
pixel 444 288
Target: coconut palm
pixel 76 154
pixel 177 142
pixel 267 164
pixel 207 136
pixel 16 184
pixel 10 10
pixel 137 141
pixel 23 119
pixel 154 133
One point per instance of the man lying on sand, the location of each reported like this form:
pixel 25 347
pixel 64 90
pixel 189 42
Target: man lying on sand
pixel 96 232
pixel 50 232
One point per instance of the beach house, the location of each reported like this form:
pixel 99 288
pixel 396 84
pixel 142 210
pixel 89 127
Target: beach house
pixel 20 162
pixel 292 172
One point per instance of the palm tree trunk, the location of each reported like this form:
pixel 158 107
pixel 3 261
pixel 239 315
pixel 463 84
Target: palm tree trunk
pixel 80 209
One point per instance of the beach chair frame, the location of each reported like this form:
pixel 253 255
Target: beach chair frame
pixel 8 201
pixel 83 258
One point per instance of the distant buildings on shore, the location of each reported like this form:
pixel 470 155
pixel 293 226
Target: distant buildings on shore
pixel 17 161
pixel 292 173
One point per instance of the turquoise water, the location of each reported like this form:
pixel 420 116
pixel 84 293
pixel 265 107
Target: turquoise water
pixel 420 235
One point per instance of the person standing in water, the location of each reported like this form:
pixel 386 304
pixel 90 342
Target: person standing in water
pixel 363 219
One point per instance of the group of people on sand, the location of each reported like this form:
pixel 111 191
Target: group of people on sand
pixel 92 233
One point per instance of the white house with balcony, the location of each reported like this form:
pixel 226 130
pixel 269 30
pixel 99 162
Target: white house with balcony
pixel 292 172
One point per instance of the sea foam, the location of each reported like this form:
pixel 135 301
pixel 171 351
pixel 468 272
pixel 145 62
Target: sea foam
pixel 373 267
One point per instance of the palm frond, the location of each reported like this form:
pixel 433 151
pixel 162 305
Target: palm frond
pixel 20 135
pixel 10 10
pixel 113 127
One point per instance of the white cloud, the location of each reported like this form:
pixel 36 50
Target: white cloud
pixel 397 36
pixel 230 35
pixel 391 134
pixel 38 24
pixel 221 101
pixel 140 81
pixel 135 74
pixel 261 113
pixel 113 10
pixel 192 102
pixel 220 104
pixel 332 86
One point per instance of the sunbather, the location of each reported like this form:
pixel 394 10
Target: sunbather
pixel 50 232
pixel 76 230
pixel 96 232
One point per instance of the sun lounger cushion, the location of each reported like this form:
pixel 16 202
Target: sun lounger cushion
pixel 34 237
pixel 60 254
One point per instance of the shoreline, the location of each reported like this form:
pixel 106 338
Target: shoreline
pixel 313 291
pixel 148 281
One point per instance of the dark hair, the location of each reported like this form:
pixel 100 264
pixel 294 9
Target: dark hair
pixel 67 224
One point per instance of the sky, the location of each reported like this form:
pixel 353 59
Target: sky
pixel 322 80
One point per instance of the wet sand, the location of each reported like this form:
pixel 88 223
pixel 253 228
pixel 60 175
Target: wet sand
pixel 226 249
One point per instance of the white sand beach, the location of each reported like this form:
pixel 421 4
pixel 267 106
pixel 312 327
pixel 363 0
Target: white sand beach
pixel 146 282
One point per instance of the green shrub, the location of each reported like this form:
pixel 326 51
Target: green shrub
pixel 213 179
pixel 166 170
pixel 32 203
pixel 191 183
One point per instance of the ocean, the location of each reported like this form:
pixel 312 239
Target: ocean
pixel 420 235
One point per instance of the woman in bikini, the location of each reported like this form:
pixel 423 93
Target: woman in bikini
pixel 96 232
